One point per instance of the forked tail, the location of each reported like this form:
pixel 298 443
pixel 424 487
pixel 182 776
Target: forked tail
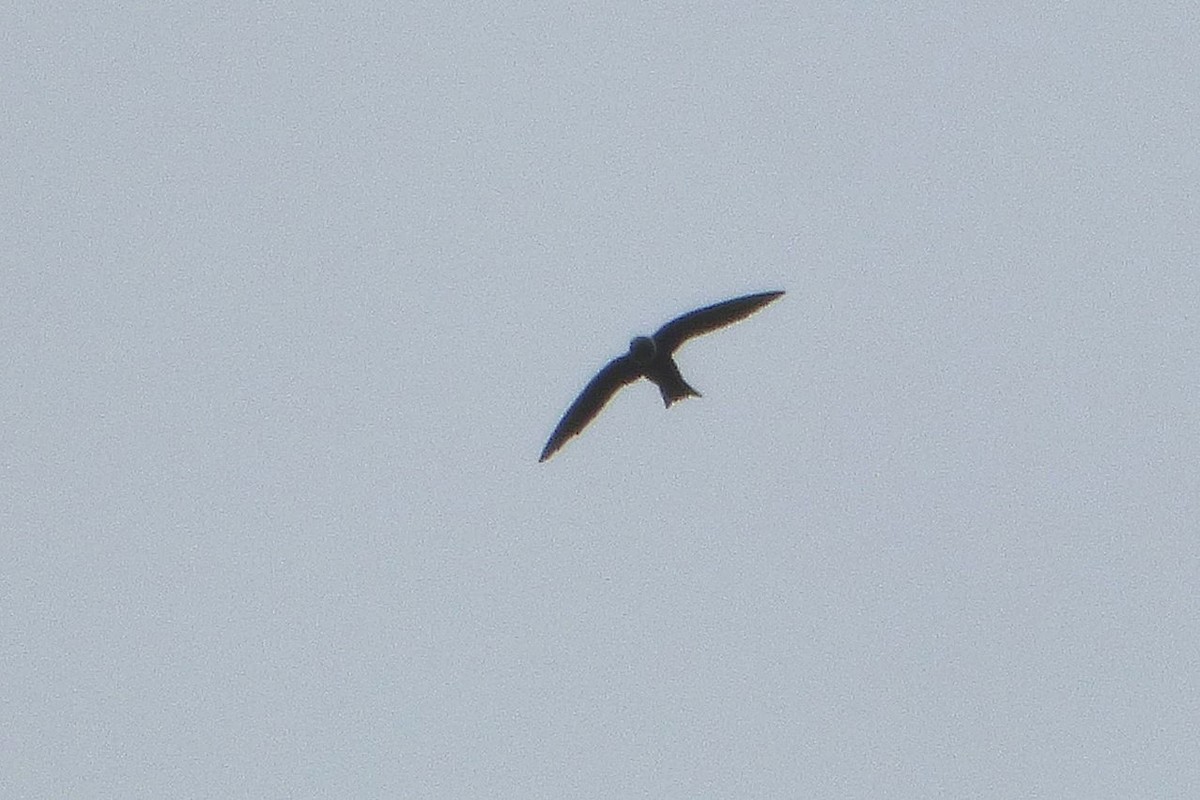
pixel 676 391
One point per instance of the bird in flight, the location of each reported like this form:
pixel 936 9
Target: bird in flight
pixel 650 357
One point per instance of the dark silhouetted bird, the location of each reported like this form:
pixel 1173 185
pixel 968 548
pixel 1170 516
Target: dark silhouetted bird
pixel 650 357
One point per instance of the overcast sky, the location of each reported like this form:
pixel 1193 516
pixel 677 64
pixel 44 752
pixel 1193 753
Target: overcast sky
pixel 292 299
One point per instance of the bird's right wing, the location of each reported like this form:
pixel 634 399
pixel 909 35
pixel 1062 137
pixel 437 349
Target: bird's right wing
pixel 709 318
pixel 600 389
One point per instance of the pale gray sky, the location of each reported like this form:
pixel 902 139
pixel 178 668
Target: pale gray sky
pixel 293 297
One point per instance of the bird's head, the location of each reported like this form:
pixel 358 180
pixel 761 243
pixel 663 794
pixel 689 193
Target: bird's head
pixel 642 350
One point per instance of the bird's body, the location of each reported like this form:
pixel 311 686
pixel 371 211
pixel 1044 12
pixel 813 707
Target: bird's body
pixel 651 357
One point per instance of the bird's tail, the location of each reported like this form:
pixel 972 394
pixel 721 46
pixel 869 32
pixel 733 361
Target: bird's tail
pixel 676 391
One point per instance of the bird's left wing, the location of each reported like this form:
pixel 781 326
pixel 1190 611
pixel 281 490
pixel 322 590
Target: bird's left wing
pixel 709 318
pixel 600 389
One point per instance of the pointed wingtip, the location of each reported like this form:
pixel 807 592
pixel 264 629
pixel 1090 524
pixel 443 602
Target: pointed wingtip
pixel 770 297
